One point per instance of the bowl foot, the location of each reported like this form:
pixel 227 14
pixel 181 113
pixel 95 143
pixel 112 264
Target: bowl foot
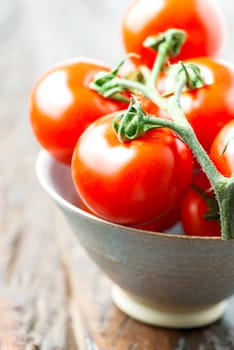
pixel 170 317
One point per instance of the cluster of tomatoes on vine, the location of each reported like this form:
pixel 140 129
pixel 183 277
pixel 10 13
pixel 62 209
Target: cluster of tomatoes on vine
pixel 149 182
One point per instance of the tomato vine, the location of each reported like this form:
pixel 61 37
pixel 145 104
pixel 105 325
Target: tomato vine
pixel 134 122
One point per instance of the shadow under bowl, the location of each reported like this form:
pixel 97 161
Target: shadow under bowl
pixel 162 279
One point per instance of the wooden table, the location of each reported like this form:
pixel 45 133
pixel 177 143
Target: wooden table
pixel 51 295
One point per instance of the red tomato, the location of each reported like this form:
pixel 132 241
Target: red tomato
pixel 202 21
pixel 222 150
pixel 62 105
pixel 212 106
pixel 130 182
pixel 161 224
pixel 194 207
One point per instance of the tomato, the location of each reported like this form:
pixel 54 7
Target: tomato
pixel 194 207
pixel 162 223
pixel 202 20
pixel 62 105
pixel 222 150
pixel 130 182
pixel 209 108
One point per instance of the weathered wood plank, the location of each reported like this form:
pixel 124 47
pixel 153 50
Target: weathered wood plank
pixel 34 298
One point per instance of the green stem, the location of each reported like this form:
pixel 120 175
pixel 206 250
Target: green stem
pixel 146 90
pixel 225 197
pixel 167 44
pixel 189 136
pixel 159 63
pixel 185 131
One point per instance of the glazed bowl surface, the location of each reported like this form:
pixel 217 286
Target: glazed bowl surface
pixel 164 279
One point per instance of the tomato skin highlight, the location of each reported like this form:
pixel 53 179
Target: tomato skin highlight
pixel 143 18
pixel 130 182
pixel 222 150
pixel 62 105
pixel 194 207
pixel 209 108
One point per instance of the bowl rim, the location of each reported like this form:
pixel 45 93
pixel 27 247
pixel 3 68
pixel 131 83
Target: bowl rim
pixel 63 202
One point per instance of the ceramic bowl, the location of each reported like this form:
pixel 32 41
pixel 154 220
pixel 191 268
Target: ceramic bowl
pixel 163 279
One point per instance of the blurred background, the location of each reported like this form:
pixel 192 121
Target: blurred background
pixel 34 35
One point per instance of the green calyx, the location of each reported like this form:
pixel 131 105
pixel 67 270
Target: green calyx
pixel 133 123
pixel 189 73
pixel 173 39
pixel 103 84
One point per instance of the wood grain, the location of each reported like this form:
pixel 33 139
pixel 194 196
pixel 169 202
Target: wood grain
pixel 51 295
pixel 34 297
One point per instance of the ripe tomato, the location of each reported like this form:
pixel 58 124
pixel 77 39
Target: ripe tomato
pixel 212 106
pixel 222 150
pixel 195 206
pixel 62 105
pixel 143 18
pixel 130 182
pixel 161 224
